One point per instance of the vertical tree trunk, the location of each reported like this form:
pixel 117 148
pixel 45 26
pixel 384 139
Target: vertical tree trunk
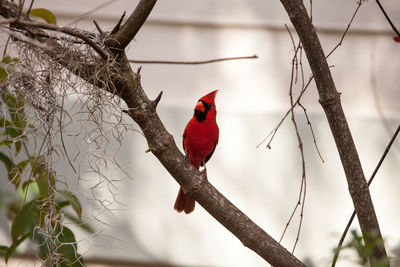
pixel 330 101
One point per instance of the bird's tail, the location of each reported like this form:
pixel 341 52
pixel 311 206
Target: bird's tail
pixel 184 202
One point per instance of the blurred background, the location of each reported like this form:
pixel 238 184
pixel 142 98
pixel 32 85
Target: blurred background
pixel 139 224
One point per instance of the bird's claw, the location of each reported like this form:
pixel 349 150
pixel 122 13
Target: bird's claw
pixel 204 171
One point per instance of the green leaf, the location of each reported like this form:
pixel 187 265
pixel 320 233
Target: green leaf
pixel 4 122
pixel 14 175
pixel 15 244
pixel 8 60
pixel 69 249
pixel 45 14
pixel 6 66
pixel 18 114
pixel 3 250
pixel 72 200
pixel 25 221
pixel 12 132
pixel 18 146
pixel 11 101
pixel 27 183
pixel 40 240
pixel 7 161
pixel 6 142
pixel 43 184
pixel 37 163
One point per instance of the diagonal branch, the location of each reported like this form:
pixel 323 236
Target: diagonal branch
pixel 121 39
pixel 387 18
pixel 330 101
pixel 339 246
pixel 162 145
pixel 67 30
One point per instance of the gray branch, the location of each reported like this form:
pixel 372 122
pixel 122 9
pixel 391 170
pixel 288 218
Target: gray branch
pixel 161 143
pixel 330 101
pixel 124 35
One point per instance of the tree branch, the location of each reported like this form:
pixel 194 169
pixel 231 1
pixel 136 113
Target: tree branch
pixel 68 31
pixel 387 18
pixel 190 62
pixel 339 246
pixel 162 145
pixel 121 39
pixel 330 101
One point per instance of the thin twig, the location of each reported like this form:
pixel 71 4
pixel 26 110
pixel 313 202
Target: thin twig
pixel 377 98
pixel 21 6
pixel 30 8
pixel 302 192
pixel 128 31
pixel 348 27
pixel 62 136
pixel 190 62
pixel 271 134
pixel 387 18
pixel 312 131
pixel 69 31
pixel 118 25
pixel 98 27
pixel 340 244
pixel 23 38
pixel 97 8
pixel 6 46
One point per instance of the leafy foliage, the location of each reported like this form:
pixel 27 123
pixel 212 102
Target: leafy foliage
pixel 363 251
pixel 45 14
pixel 37 205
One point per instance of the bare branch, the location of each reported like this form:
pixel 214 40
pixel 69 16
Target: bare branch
pixel 330 101
pixel 128 31
pixel 27 40
pixel 302 193
pixel 155 101
pixel 312 132
pixel 387 18
pixel 97 8
pixel 98 27
pixel 66 30
pixel 339 246
pixel 348 27
pixel 190 62
pixel 116 28
pixel 162 145
pixel 30 7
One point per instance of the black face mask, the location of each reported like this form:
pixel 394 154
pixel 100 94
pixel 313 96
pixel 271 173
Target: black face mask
pixel 201 115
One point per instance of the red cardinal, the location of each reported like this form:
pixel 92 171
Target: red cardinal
pixel 199 141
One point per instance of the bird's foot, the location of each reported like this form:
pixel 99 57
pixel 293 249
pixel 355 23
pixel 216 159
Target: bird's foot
pixel 204 171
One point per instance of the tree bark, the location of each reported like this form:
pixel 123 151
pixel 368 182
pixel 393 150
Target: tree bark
pixel 126 84
pixel 329 99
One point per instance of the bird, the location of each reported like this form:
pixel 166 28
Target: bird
pixel 200 138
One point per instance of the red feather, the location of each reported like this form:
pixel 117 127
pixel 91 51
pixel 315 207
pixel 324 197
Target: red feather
pixel 199 141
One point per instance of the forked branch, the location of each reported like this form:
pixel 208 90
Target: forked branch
pixel 125 34
pixel 162 144
pixel 330 101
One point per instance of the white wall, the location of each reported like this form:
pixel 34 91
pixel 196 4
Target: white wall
pixel 253 97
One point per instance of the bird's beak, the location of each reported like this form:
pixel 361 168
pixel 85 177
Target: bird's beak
pixel 200 106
